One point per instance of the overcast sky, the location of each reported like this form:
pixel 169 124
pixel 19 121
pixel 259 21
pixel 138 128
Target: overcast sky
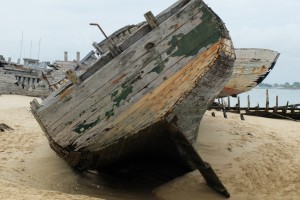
pixel 63 25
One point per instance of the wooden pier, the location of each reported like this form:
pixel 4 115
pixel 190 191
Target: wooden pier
pixel 287 111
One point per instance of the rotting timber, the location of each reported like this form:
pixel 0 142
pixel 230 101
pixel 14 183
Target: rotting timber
pixel 122 107
pixel 251 67
pixel 288 111
pixel 19 80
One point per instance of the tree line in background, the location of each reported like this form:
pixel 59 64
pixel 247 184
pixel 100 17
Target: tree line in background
pixel 287 85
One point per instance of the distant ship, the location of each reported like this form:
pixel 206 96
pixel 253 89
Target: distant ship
pixel 251 67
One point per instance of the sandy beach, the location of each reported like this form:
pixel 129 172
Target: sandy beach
pixel 257 158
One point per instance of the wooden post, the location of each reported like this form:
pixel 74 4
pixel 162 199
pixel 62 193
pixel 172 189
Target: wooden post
pixel 239 105
pixel 228 102
pixel 219 104
pixel 242 117
pixel 224 112
pixel 248 97
pixel 267 100
pixel 223 108
pixel 286 107
pixel 276 106
pixel 151 20
pixel 293 109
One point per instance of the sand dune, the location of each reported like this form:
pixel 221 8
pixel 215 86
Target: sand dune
pixel 256 159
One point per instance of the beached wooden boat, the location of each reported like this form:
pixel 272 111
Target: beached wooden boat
pixel 17 79
pixel 146 96
pixel 251 67
pixel 34 78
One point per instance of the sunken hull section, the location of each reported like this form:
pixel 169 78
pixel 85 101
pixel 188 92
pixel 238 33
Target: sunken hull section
pixel 124 109
pixel 251 67
pixel 21 81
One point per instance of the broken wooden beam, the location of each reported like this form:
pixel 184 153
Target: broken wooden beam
pixel 4 127
pixel 72 76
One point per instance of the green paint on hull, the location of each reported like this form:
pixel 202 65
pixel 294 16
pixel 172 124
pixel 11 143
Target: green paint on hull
pixel 202 36
pixel 160 65
pixel 110 113
pixel 117 97
pixel 81 128
pixel 122 96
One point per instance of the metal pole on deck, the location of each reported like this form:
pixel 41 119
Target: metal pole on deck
pixel 114 50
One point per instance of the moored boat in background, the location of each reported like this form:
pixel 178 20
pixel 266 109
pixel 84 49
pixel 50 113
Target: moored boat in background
pixel 251 67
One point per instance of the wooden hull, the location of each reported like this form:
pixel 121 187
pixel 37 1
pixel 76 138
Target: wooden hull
pixel 21 82
pixel 120 111
pixel 251 67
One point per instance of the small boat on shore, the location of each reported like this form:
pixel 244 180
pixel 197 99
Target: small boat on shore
pixel 251 67
pixel 22 80
pixel 34 78
pixel 145 96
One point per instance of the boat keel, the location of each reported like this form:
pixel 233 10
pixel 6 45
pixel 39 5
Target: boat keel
pixel 188 152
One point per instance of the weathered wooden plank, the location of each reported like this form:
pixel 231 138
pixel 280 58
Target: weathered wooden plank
pixel 109 71
pixel 162 77
pixel 210 83
pixel 152 106
pixel 138 50
pixel 137 96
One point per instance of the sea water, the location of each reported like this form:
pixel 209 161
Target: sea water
pixel 258 96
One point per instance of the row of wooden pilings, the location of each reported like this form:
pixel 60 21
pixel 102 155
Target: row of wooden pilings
pixel 291 112
pixel 267 108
